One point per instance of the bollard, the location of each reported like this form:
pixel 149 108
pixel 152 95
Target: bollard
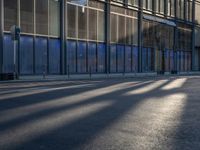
pixel 90 72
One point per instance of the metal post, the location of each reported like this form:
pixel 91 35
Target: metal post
pixel 90 72
pixel 63 37
pixel 107 32
pixel 140 38
pixel 15 47
pixel 193 36
pixel 14 57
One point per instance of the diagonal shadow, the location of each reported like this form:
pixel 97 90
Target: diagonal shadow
pixel 84 129
pixel 10 103
pixel 56 109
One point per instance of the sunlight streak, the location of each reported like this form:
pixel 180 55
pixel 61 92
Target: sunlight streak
pixel 37 90
pixel 178 83
pixel 79 98
pixel 30 130
pixel 148 122
pixel 147 88
pixel 163 120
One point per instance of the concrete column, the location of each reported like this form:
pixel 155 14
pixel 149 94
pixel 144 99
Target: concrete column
pixel 107 35
pixel 193 36
pixel 140 38
pixel 62 37
pixel 1 36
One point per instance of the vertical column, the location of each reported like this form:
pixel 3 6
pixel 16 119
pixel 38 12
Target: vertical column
pixel 62 37
pixel 107 33
pixel 156 46
pixel 1 36
pixel 165 8
pixel 193 36
pixel 140 38
pixel 175 37
pixel 124 70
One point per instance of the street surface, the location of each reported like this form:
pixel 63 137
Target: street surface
pixel 154 113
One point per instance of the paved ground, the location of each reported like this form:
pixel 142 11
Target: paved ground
pixel 115 114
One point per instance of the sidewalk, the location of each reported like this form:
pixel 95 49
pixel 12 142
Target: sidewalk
pixel 85 76
pixel 95 76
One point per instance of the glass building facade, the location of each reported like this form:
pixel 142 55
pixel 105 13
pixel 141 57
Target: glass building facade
pixel 104 36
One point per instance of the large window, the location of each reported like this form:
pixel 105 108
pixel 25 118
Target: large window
pixel 184 38
pixel 42 17
pixel 123 26
pixel 86 23
pixel 27 16
pixel 33 16
pixel 10 14
pixel 157 34
pixel 148 33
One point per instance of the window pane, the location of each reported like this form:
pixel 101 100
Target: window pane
pixel 10 14
pixel 54 17
pixel 135 32
pixel 92 24
pixel 162 6
pixel 101 26
pixel 129 27
pixel 42 17
pixel 157 5
pixel 113 28
pixel 150 4
pixel 173 7
pixel 82 23
pixel 121 29
pixel 26 16
pixel 71 21
pixel 144 4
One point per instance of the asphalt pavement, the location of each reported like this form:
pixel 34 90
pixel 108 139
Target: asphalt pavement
pixel 154 113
